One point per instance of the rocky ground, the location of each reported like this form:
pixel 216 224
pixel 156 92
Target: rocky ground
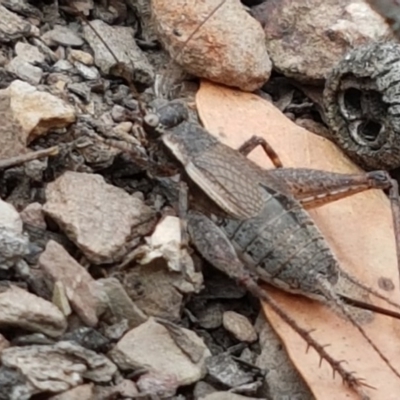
pixel 98 299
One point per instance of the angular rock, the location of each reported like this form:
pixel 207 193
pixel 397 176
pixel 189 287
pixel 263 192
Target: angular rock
pixel 99 218
pixel 121 40
pixel 57 368
pixel 88 73
pixel 224 369
pixel 9 217
pixel 32 214
pixel 209 316
pixel 220 51
pixel 202 389
pixel 153 290
pixel 80 56
pixel 166 243
pixel 25 71
pixel 157 385
pixel 78 283
pixel 25 310
pixel 12 26
pixel 29 53
pixel 14 246
pixel 63 36
pixel 124 389
pixel 239 326
pixel 120 304
pixel 34 111
pixel 88 338
pixel 151 346
pixel 12 138
pixel 305 40
pixel 82 392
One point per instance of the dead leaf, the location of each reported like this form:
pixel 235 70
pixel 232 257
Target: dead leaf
pixel 359 230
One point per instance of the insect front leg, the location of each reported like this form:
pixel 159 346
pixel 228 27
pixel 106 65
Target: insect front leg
pixel 249 145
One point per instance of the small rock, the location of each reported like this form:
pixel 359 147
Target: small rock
pixel 219 51
pixel 60 298
pixel 12 385
pixel 60 266
pixel 10 218
pixel 224 369
pixel 25 310
pixel 124 389
pixel 155 384
pixel 58 367
pixel 25 70
pixel 88 338
pixel 12 26
pixel 116 331
pixel 153 290
pixel 80 56
pixel 36 112
pixel 63 65
pixel 305 40
pixel 151 346
pixel 124 127
pixel 99 218
pixel 29 53
pixel 127 388
pixel 239 326
pixel 120 304
pixel 88 73
pixel 32 214
pixel 82 392
pixel 62 35
pixel 202 389
pixel 121 40
pixel 12 138
pixel 81 89
pixel 210 317
pixel 166 243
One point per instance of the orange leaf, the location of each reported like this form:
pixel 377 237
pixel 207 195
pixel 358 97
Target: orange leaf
pixel 359 230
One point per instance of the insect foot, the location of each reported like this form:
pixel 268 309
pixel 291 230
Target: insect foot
pixel 216 248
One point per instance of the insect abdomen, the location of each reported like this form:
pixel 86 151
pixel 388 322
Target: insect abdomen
pixel 284 245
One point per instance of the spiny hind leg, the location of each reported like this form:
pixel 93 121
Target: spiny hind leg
pixel 314 188
pixel 215 247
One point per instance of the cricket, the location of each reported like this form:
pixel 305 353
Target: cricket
pixel 254 226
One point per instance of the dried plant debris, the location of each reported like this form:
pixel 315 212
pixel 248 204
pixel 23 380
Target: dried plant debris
pixel 361 99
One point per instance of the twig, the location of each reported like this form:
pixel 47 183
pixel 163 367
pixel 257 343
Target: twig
pixel 23 158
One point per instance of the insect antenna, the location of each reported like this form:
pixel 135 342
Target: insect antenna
pixel 161 90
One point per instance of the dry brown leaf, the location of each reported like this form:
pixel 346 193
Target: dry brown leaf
pixel 359 230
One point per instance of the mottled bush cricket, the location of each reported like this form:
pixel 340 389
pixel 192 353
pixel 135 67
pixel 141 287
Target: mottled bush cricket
pixel 263 230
